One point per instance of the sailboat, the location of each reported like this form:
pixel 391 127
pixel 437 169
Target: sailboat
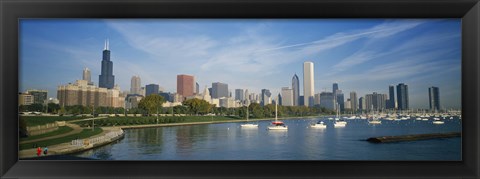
pixel 338 122
pixel 249 125
pixel 319 125
pixel 374 118
pixel 277 125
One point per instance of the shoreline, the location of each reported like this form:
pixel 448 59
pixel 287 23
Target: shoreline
pixel 206 122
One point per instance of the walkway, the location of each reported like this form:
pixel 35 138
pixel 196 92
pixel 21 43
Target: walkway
pixel 88 119
pixel 76 129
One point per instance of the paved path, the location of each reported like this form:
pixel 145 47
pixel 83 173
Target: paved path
pixel 88 119
pixel 64 148
pixel 76 129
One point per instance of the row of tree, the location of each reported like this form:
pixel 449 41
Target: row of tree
pixel 152 104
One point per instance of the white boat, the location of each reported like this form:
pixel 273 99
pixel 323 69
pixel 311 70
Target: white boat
pixel 277 125
pixel 419 119
pixel 248 125
pixel 374 118
pixel 425 119
pixel 363 117
pixel 319 125
pixel 352 117
pixel 339 123
pixel 438 122
pixel 375 122
pixel 330 118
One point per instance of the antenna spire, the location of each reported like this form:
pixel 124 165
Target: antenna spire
pixel 106 44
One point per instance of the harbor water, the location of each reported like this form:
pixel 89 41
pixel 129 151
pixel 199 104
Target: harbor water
pixel 229 141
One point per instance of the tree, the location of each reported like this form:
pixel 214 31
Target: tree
pixel 53 108
pixel 256 110
pixel 152 103
pixel 197 106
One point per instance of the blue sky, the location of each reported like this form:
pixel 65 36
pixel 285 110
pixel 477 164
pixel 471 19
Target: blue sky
pixel 362 55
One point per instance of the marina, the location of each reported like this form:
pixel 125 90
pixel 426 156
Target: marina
pixel 231 141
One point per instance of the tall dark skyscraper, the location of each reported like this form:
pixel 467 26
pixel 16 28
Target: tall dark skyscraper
pixel 151 89
pixel 334 88
pixel 402 96
pixel 296 90
pixel 434 98
pixel 391 96
pixel 106 78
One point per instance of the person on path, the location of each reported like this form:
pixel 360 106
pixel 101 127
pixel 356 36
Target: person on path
pixel 39 151
pixel 45 150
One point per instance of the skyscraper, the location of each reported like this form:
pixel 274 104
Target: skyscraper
pixel 434 98
pixel 335 87
pixel 327 100
pixel 361 103
pixel 287 96
pixel 402 96
pixel 391 96
pixel 296 90
pixel 353 101
pixel 239 94
pixel 266 97
pixel 340 99
pixel 219 90
pixel 308 83
pixel 185 85
pixel 151 89
pixel 197 88
pixel 87 76
pixel 135 85
pixel 375 100
pixel 106 78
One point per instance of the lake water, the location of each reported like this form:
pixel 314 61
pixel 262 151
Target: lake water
pixel 228 141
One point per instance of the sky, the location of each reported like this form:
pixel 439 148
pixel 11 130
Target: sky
pixel 361 55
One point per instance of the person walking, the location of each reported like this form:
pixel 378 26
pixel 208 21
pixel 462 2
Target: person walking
pixel 39 151
pixel 45 150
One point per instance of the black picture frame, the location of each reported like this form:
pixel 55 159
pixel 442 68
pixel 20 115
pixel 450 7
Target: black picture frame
pixel 11 11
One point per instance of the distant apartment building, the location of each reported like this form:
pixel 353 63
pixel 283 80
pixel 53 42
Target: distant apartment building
pixel 239 95
pixel 353 101
pixel 81 93
pixel 25 99
pixel 132 100
pixel 39 96
pixel 296 89
pixel 434 98
pixel 402 96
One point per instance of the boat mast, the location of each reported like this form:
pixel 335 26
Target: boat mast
pixel 276 102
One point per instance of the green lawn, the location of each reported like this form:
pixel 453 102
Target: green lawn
pixel 60 130
pixel 41 120
pixel 123 121
pixel 82 135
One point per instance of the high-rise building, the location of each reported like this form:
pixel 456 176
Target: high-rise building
pixel 287 96
pixel 340 99
pixel 296 90
pixel 317 99
pixel 197 88
pixel 279 99
pixel 308 83
pixel 39 96
pixel 239 94
pixel 402 96
pixel 348 104
pixel 135 85
pixel 353 101
pixel 266 97
pixel 375 101
pixel 185 85
pixel 106 78
pixel 300 101
pixel 361 103
pixel 167 96
pixel 327 100
pixel 434 98
pixel 87 76
pixel 391 97
pixel 151 89
pixel 219 90
pixel 334 87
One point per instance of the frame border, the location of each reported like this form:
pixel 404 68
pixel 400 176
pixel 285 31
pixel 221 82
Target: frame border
pixel 11 11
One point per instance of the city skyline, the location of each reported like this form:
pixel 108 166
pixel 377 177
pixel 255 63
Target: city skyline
pixel 429 59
